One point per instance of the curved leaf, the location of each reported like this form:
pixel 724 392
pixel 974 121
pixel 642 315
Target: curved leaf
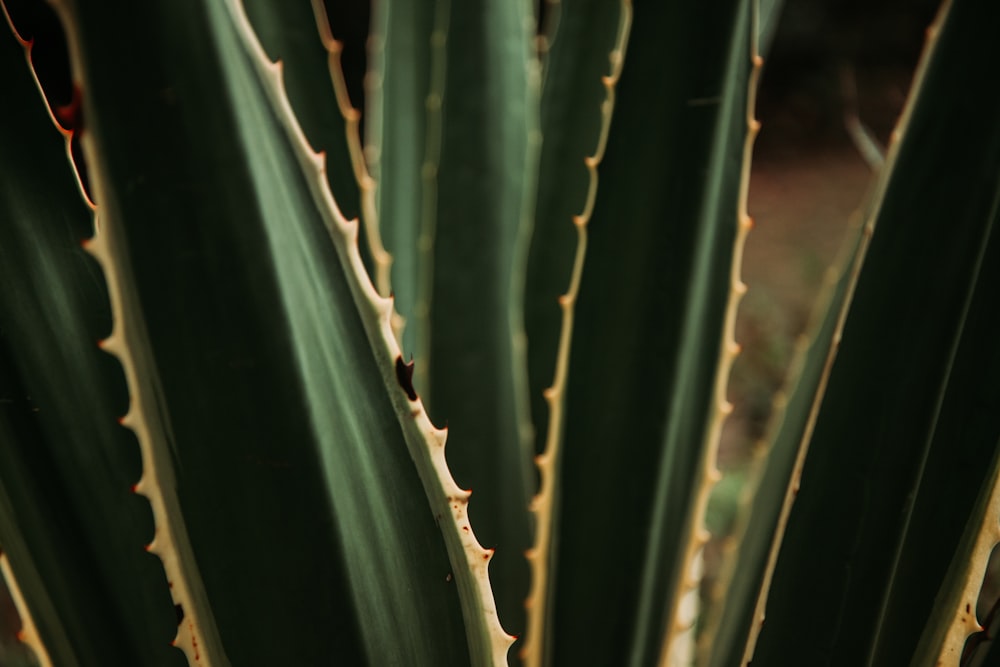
pixel 582 68
pixel 74 542
pixel 260 347
pixel 651 337
pixel 457 160
pixel 908 420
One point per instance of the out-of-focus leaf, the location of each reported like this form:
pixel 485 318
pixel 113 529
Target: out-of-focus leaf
pixel 908 421
pixel 74 541
pixel 457 153
pixel 289 32
pixel 649 331
pixel 246 303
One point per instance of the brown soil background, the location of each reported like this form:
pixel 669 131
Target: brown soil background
pixel 807 176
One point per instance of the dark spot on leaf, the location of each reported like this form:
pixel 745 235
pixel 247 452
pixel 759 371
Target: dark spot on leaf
pixel 179 609
pixel 404 375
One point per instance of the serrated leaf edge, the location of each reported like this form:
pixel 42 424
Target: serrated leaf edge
pixel 759 450
pixel 434 103
pixel 679 639
pixel 855 270
pixel 547 463
pixel 488 642
pixel 965 622
pixel 28 634
pixel 67 135
pixel 156 483
pixel 352 128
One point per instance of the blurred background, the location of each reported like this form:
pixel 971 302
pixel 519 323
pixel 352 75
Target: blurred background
pixel 829 61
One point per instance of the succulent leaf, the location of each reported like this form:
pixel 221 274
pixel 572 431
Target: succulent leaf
pixel 573 148
pixel 456 197
pixel 296 418
pixel 658 293
pixel 215 445
pixel 887 487
pixel 73 544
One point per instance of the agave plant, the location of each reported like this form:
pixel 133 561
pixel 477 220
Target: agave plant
pixel 242 313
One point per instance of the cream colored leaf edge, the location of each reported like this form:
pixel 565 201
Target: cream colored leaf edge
pixel 679 638
pixel 197 635
pixel 66 134
pixel 419 318
pixel 488 642
pixel 779 401
pixel 352 127
pixel 543 504
pixel 964 621
pixel 28 634
pixel 372 154
pixel 855 269
pixel 428 202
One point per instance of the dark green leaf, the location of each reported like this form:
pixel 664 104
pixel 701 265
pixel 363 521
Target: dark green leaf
pixel 650 327
pixel 246 313
pixel 457 158
pixel 908 422
pixel 74 541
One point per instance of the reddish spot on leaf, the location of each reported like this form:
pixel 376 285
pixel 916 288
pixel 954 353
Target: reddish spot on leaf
pixel 194 642
pixel 70 116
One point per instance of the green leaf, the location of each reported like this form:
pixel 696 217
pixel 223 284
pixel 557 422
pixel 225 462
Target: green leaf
pixel 74 542
pixel 734 603
pixel 653 316
pixel 292 33
pixel 768 15
pixel 319 85
pixel 266 377
pixel 575 109
pixel 583 60
pixel 770 490
pixel 15 632
pixel 459 258
pixel 403 121
pixel 908 420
